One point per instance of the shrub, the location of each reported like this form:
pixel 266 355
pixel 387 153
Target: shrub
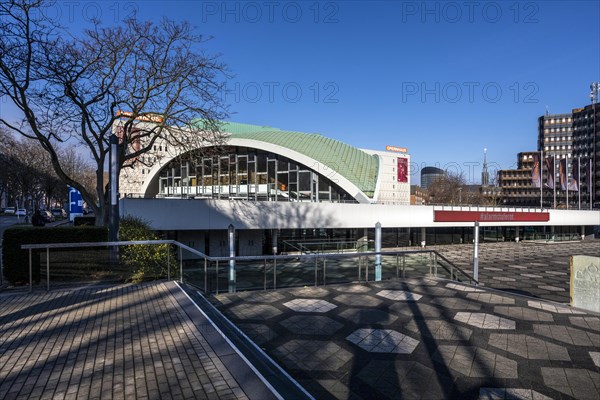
pixel 15 261
pixel 147 262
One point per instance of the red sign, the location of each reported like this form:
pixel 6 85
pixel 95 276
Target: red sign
pixel 402 170
pixel 490 216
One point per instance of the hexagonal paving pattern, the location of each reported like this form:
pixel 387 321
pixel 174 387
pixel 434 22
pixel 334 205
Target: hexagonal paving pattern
pixel 592 323
pixel 542 305
pixel 416 310
pixel 524 313
pixel 490 298
pixel 439 329
pixel 463 288
pixel 311 325
pixel 484 320
pixel 254 311
pixel 370 317
pixel 567 334
pixel 510 393
pixel 352 288
pixel 456 303
pixel 312 355
pixel 383 341
pixel 476 362
pixel 309 291
pixel 260 297
pixel 360 300
pixel 399 295
pixel 579 383
pixel 259 333
pixel 310 305
pixel 401 379
pixel 529 347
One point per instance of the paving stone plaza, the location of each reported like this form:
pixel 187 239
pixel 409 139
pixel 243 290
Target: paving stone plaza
pixel 413 338
pixel 434 339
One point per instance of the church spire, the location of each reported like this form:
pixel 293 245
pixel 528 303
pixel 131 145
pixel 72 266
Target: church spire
pixel 485 176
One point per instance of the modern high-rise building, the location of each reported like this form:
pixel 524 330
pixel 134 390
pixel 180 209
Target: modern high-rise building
pixel 429 175
pixel 575 137
pixel 555 142
pixel 586 152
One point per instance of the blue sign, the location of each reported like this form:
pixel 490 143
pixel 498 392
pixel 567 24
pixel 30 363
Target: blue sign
pixel 75 201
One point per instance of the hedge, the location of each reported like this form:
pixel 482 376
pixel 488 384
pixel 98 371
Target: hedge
pixel 15 261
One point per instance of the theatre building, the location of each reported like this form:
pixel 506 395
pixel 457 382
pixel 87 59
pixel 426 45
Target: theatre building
pixel 288 191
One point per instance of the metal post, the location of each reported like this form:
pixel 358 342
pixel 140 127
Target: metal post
pixel 397 267
pixel 205 275
pixel 475 252
pixel 324 271
pixel 217 276
pixel 378 250
pixel 47 268
pixel 168 262
pixel 316 270
pixel 113 225
pixel 30 272
pixel 274 273
pixel 265 280
pixel 180 266
pixel 404 265
pixel 231 232
pixel 359 267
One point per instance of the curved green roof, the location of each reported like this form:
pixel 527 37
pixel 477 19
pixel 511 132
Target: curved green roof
pixel 353 164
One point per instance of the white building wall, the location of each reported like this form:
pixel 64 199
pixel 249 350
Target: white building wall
pixel 389 190
pixel 178 214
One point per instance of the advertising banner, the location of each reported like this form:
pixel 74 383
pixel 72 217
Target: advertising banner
pixel 402 170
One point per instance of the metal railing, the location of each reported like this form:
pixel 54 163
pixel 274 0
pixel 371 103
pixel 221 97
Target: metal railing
pixel 219 274
pixel 552 237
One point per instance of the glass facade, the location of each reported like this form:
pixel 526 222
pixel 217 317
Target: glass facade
pixel 247 174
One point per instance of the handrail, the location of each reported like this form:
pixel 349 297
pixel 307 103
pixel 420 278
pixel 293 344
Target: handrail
pixel 275 258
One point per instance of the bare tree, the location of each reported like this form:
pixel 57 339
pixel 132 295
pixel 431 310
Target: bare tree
pixel 452 188
pixel 73 89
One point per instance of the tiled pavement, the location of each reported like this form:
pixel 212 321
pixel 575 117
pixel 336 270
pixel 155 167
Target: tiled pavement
pixel 423 339
pixel 396 339
pixel 532 269
pixel 121 342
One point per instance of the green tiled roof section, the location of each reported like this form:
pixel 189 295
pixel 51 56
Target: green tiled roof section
pixel 355 165
pixel 236 127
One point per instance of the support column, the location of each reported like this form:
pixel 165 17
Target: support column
pixel 274 238
pixel 423 237
pixel 114 189
pixel 476 252
pixel 517 235
pixel 377 250
pixel 231 234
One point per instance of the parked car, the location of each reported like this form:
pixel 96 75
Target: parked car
pixel 10 211
pixel 47 216
pixel 59 213
pixel 21 212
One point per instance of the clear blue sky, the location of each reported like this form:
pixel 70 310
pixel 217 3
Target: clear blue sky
pixel 444 79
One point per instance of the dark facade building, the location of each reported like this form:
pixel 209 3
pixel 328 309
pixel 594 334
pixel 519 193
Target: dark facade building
pixel 586 152
pixel 516 184
pixel 429 175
